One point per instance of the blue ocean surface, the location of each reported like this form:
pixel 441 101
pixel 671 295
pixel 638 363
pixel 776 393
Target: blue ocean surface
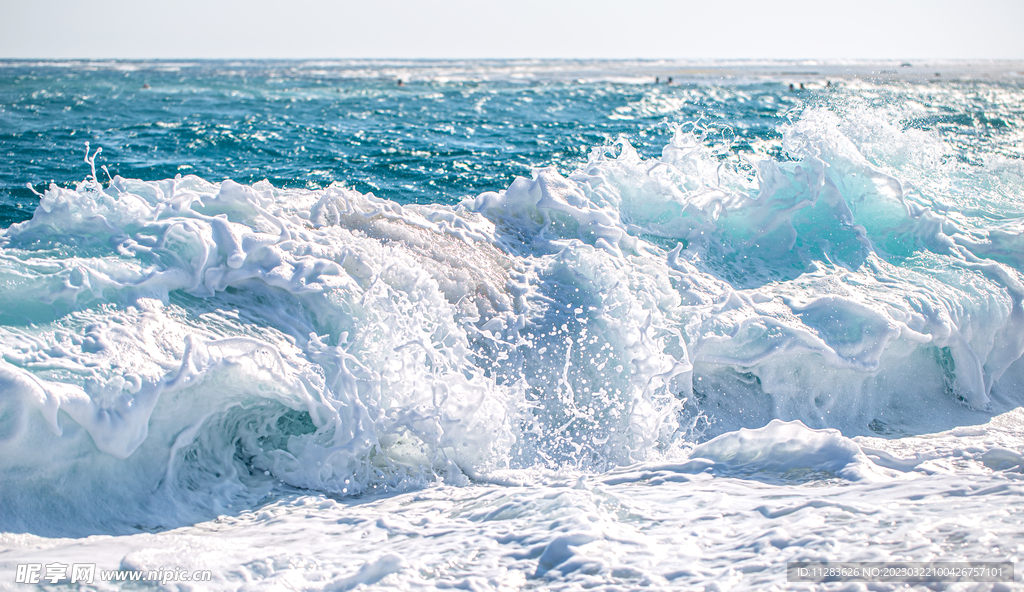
pixel 503 325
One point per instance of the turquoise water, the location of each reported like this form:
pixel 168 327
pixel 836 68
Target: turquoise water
pixel 529 308
pixel 452 130
pixel 301 125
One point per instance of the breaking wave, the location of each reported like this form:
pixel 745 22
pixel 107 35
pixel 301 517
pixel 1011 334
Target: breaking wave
pixel 175 348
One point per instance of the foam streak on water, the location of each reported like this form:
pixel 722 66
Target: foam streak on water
pixel 665 369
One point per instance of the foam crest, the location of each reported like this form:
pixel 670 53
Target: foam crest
pixel 181 347
pixel 238 337
pixel 220 338
pixel 809 291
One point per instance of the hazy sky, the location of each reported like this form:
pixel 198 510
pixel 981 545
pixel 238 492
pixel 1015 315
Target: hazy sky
pixel 897 29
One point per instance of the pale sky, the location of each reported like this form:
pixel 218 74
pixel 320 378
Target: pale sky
pixel 783 29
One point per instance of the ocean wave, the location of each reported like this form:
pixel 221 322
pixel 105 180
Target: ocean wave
pixel 175 348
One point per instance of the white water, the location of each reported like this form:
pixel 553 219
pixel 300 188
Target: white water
pixel 532 379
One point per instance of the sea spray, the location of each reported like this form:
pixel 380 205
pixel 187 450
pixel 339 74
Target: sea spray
pixel 175 348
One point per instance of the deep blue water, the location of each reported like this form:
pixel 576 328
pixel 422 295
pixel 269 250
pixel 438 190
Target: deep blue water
pixel 451 130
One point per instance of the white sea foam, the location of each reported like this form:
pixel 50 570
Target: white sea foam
pixel 691 524
pixel 176 349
